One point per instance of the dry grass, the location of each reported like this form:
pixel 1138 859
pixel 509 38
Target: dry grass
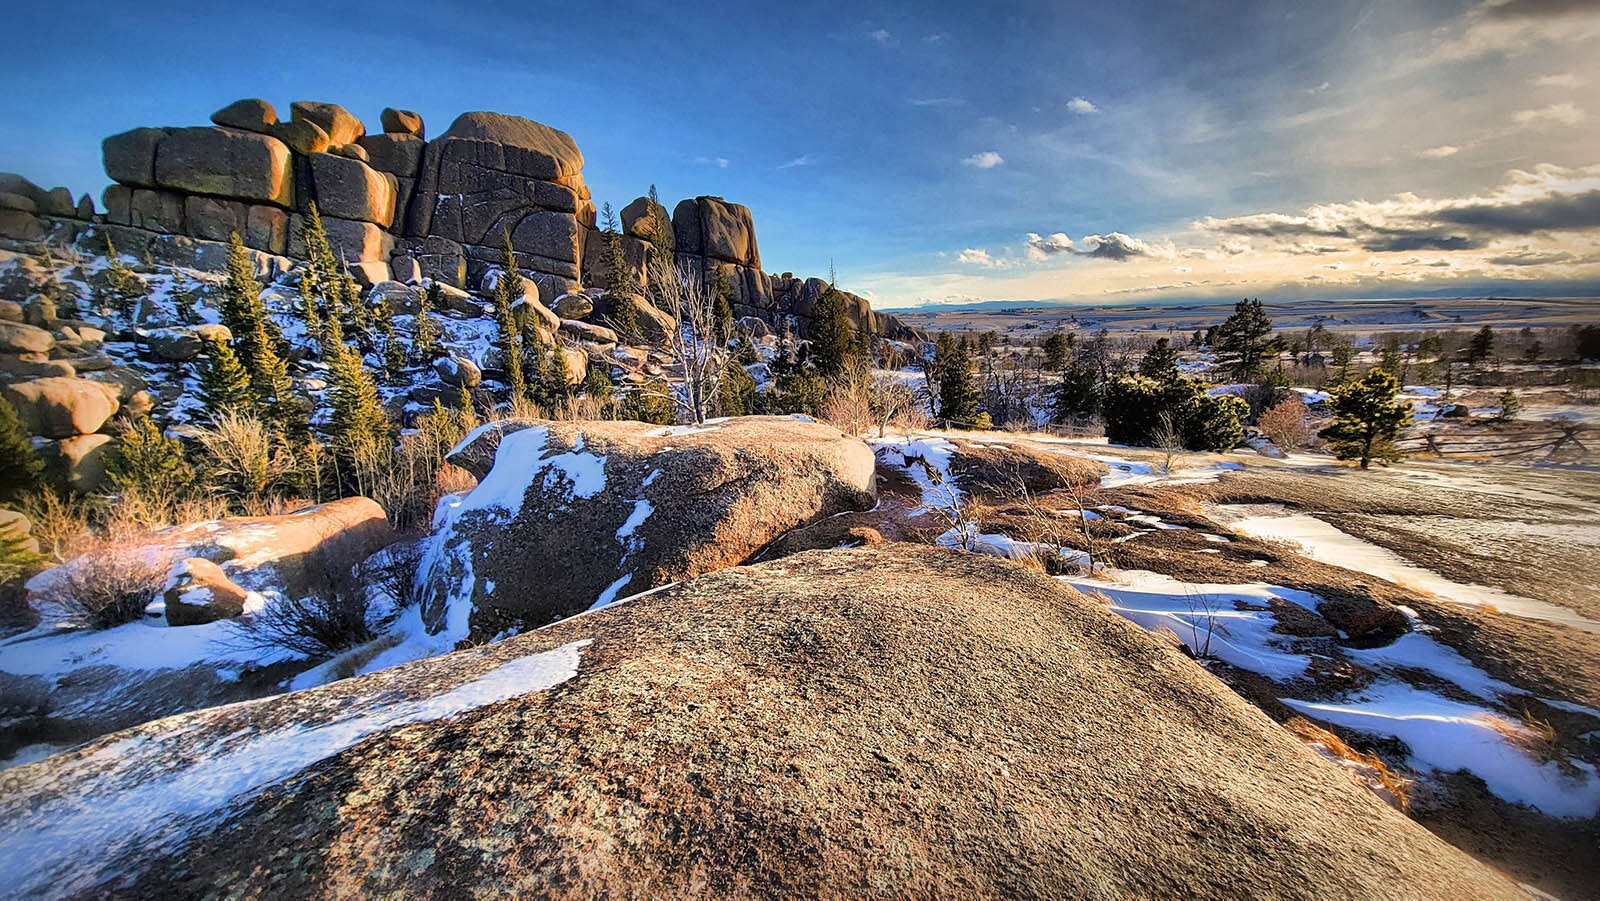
pixel 61 525
pixel 1369 768
pixel 1534 736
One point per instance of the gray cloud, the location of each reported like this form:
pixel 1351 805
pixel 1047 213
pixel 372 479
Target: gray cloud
pixel 1547 199
pixel 1536 9
pixel 1114 246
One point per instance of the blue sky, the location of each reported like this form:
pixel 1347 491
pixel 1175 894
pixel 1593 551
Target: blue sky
pixel 944 152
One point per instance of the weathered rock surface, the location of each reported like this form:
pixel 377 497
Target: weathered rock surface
pixel 61 407
pixel 79 461
pixel 19 338
pixel 334 120
pixel 199 592
pixel 570 514
pixel 247 115
pixel 903 721
pixel 402 122
pixel 225 163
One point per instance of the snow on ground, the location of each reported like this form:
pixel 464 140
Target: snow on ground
pixel 1324 542
pixel 139 646
pixel 1449 735
pixel 1234 624
pixel 1132 472
pixel 156 793
pixel 926 461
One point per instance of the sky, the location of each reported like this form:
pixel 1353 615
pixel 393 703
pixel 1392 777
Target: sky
pixel 938 152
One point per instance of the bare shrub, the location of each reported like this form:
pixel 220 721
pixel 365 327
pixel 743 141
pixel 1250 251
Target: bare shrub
pixel 848 404
pixel 892 403
pixel 60 525
pixel 136 512
pixel 110 585
pixel 1169 440
pixel 1285 423
pixel 410 488
pixel 317 626
pixel 247 461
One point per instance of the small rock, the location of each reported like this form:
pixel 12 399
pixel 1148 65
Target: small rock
pixel 573 306
pixel 199 592
pixel 458 371
pixel 402 122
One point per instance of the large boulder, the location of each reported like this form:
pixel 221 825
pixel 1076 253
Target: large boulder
pixel 573 306
pixel 637 221
pixel 568 515
pixel 297 554
pixel 492 174
pixel 61 407
pixel 19 338
pixel 226 163
pixel 902 722
pixel 350 189
pixel 354 240
pixel 713 227
pixel 130 157
pixel 247 115
pixel 80 461
pixel 340 126
pixel 402 122
pixel 199 592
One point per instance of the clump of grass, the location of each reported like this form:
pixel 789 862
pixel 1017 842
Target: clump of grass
pixel 1532 735
pixel 1369 768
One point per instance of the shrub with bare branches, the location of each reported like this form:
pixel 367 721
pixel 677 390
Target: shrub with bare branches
pixel 110 585
pixel 1285 423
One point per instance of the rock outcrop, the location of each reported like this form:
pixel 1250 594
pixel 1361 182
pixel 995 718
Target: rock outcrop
pixel 905 722
pixel 296 554
pixel 570 515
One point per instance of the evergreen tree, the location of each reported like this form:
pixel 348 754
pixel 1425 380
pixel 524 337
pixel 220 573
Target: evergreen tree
pixel 1139 409
pixel 663 255
pixel 830 333
pixel 958 399
pixel 123 288
pixel 1587 342
pixel 256 344
pixel 508 340
pixel 1057 345
pixel 620 285
pixel 1160 362
pixel 1510 406
pixel 224 383
pixel 1243 341
pixel 651 402
pixel 329 282
pixel 21 470
pixel 358 427
pixel 425 332
pixel 721 306
pixel 1367 419
pixel 736 392
pixel 1481 347
pixel 145 459
pixel 1078 394
pixel 557 378
pixel 184 297
pixel 1344 355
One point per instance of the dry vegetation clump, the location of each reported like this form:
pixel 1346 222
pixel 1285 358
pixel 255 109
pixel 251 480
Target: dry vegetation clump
pixel 111 585
pixel 1534 736
pixel 1368 769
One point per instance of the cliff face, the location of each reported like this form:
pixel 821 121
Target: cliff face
pixel 397 205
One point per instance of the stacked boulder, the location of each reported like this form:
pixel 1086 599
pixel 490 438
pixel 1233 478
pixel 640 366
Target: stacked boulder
pixel 712 234
pixel 29 213
pixel 181 192
pixel 491 176
pixel 798 298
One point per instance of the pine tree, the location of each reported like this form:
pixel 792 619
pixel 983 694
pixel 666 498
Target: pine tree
pixel 256 345
pixel 721 305
pixel 224 383
pixel 1057 345
pixel 1367 419
pixel 736 392
pixel 663 254
pixel 1078 394
pixel 508 340
pixel 1510 406
pixel 21 470
pixel 958 399
pixel 359 426
pixel 123 287
pixel 1243 341
pixel 328 279
pixel 830 333
pixel 1481 347
pixel 1160 362
pixel 425 332
pixel 620 285
pixel 145 459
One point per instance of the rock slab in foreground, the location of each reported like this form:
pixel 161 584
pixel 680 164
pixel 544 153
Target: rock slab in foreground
pixel 906 722
pixel 568 515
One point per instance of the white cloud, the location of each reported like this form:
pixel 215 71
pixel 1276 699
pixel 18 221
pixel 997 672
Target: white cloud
pixel 1040 248
pixel 988 159
pixel 797 162
pixel 1440 152
pixel 972 256
pixel 1561 113
pixel 1319 88
pixel 1081 106
pixel 719 162
pixel 1559 80
pixel 937 101
pixel 880 36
